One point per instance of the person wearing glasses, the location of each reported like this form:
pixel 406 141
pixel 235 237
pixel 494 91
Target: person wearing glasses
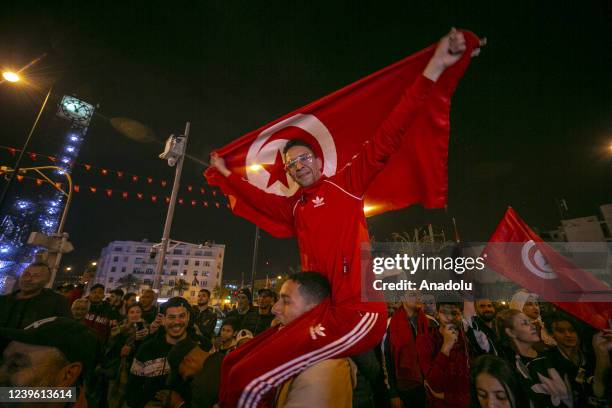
pixel 326 215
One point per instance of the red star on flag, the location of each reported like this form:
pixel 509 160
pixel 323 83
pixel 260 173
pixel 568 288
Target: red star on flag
pixel 276 171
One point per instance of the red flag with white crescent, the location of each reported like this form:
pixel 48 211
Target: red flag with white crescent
pixel 338 125
pixel 519 254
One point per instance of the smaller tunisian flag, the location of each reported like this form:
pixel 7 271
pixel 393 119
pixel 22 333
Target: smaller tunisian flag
pixel 338 125
pixel 516 252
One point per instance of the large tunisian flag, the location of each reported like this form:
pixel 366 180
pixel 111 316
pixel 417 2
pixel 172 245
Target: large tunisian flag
pixel 516 252
pixel 338 124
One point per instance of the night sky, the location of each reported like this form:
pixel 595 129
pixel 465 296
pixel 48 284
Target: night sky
pixel 531 120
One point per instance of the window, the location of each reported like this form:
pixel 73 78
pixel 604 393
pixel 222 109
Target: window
pixel 198 253
pixel 197 263
pixel 206 263
pixel 118 249
pixel 195 273
pixel 176 262
pixel 205 274
pixel 194 282
pixel 111 279
pixel 139 260
pixel 165 261
pixel 207 253
pixel 186 262
pixel 147 281
pixel 171 283
pixel 184 272
pixel 123 269
pixel 204 283
pixel 137 270
pixel 178 252
pixel 149 271
pixel 113 269
pixel 141 250
pixel 115 259
pixel 125 259
pixel 174 273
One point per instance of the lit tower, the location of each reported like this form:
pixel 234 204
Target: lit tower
pixel 31 210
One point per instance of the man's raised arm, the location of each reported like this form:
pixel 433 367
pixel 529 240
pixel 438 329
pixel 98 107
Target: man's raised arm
pixel 275 207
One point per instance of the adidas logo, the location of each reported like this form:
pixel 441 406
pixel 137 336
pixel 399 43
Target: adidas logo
pixel 318 201
pixel 317 330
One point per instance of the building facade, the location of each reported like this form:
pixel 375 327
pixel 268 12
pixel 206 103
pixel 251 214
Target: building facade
pixel 199 266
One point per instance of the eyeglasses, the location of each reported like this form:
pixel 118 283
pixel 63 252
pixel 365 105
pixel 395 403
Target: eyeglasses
pixel 303 159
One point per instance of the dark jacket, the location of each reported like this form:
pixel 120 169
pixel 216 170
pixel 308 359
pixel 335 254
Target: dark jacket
pixel 149 371
pixel 99 318
pixel 20 313
pixel 253 321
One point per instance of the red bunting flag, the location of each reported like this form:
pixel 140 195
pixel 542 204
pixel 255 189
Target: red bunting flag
pixel 76 188
pixel 193 203
pixel 93 189
pixel 119 174
pixel 150 180
pixel 58 185
pixel 39 182
pixel 139 195
pixel 362 116
pixel 124 195
pixel 53 159
pixel 19 178
pixel 205 203
pixel 109 193
pixel 181 201
pixel 87 166
pixel 33 156
pixel 164 183
pixel 134 179
pixel 202 190
pixel 104 172
pixel 189 188
pixel 516 252
pixel 217 205
pixel 167 199
pixel 154 198
pixel 12 151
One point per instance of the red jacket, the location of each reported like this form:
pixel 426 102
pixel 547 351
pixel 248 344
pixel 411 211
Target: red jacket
pixel 327 217
pixel 444 374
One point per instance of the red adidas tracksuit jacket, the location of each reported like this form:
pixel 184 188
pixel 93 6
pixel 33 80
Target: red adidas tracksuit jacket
pixel 328 220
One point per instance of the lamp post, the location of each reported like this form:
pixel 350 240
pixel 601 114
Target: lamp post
pixel 175 154
pixel 12 176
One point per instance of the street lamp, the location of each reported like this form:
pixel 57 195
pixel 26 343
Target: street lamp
pixel 94 263
pixel 11 76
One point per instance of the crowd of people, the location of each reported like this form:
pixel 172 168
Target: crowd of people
pixel 128 350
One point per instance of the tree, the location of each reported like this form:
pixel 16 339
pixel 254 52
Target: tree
pixel 128 282
pixel 220 293
pixel 180 286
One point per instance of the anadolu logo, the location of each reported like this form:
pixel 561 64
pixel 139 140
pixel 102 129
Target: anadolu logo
pixel 264 161
pixel 535 262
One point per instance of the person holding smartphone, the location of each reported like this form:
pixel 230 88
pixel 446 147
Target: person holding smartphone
pixel 125 339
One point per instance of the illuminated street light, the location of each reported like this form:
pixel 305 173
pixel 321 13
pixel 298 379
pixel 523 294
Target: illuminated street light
pixel 279 277
pixel 10 76
pixel 94 263
pixel 69 268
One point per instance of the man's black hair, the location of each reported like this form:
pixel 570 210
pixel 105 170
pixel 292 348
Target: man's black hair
pixel 557 317
pixel 296 142
pixel 117 292
pixel 129 295
pixel 313 286
pixel 206 291
pixel 96 286
pixel 230 321
pixel 459 305
pixel 176 301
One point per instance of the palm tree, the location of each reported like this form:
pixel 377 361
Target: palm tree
pixel 128 282
pixel 180 286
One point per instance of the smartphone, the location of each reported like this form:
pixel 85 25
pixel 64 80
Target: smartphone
pixel 139 326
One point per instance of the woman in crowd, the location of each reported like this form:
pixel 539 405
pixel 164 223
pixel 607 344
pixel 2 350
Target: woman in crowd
pixel 125 339
pixel 527 302
pixel 495 384
pixel 544 383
